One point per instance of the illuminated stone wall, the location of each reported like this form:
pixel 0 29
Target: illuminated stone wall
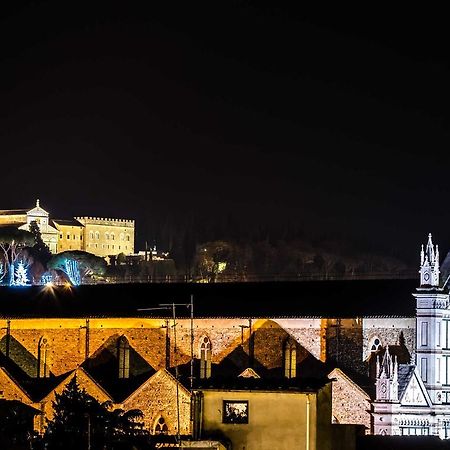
pixel 105 237
pixel 92 344
pixel 70 237
pixel 351 405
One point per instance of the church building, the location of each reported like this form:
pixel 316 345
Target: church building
pixel 383 344
pixel 414 398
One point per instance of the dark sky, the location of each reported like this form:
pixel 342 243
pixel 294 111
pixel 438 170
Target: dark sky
pixel 331 121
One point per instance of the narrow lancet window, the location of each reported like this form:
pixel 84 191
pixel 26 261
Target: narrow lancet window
pixel 290 359
pixel 205 358
pixel 124 358
pixel 43 359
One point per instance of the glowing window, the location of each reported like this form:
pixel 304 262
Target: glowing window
pixel 290 359
pixel 205 358
pixel 124 358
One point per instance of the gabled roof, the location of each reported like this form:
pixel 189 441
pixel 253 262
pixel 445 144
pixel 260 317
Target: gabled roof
pixel 337 372
pixel 154 378
pixel 15 384
pixel 70 375
pixel 413 386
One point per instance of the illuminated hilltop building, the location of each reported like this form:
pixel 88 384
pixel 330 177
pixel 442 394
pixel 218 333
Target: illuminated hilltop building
pixel 105 237
pixel 100 236
pixel 22 219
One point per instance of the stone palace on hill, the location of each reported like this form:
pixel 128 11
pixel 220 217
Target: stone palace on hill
pixel 390 371
pixel 100 236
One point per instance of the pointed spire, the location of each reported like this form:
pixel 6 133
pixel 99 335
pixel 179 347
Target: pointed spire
pixel 37 203
pixel 429 264
pixel 430 249
pixel 386 364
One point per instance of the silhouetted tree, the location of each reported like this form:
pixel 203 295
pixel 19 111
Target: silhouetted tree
pixel 80 419
pixel 40 250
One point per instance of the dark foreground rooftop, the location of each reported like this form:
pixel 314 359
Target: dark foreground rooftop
pixel 357 298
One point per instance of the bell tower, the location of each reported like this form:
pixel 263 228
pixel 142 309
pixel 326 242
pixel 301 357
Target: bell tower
pixel 429 264
pixel 432 312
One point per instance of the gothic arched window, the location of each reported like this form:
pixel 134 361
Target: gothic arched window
pixel 290 359
pixel 43 358
pixel 161 426
pixel 112 236
pixel 107 236
pixel 124 358
pixel 97 235
pixel 205 357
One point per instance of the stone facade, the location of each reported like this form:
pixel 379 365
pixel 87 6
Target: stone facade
pixel 100 236
pixel 351 404
pixel 70 235
pixel 105 237
pixel 89 349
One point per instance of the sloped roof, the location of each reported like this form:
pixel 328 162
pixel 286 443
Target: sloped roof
pixel 335 299
pixel 283 384
pixel 13 212
pixel 68 222
pixel 405 373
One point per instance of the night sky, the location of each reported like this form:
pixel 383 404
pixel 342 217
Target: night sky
pixel 337 123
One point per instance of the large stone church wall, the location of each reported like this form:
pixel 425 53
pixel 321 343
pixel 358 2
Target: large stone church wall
pixel 344 342
pixel 390 331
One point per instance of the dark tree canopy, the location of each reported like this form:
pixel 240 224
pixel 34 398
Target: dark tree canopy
pixel 80 419
pixel 40 250
pixel 9 234
pixel 88 263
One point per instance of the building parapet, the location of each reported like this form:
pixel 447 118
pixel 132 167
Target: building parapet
pixel 105 221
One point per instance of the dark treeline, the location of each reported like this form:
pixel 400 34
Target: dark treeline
pixel 229 250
